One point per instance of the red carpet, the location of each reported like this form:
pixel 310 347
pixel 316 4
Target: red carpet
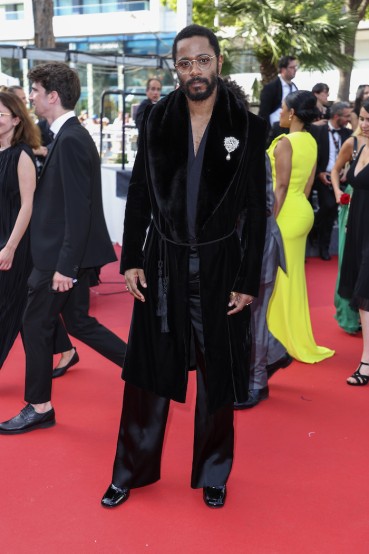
pixel 300 483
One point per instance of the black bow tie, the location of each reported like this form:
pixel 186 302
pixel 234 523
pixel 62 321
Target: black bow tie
pixel 338 131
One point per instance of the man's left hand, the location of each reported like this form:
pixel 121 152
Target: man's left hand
pixel 61 283
pixel 238 301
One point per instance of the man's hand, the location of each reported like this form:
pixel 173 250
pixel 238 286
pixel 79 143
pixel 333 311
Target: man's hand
pixel 61 283
pixel 325 178
pixel 239 301
pixel 132 276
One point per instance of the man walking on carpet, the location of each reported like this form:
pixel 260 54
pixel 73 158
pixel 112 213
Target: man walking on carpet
pixel 68 235
pixel 200 164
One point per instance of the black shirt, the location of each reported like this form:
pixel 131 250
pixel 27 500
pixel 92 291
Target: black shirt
pixel 194 167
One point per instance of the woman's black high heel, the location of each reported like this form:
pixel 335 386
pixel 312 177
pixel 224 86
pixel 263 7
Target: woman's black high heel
pixel 360 380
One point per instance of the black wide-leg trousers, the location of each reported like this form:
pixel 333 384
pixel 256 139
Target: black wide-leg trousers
pixel 144 417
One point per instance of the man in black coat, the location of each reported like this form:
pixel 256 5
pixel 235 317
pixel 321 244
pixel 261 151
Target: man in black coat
pixel 273 93
pixel 330 138
pixel 153 91
pixel 68 234
pixel 200 164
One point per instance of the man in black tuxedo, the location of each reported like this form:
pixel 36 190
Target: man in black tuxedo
pixel 68 234
pixel 330 138
pixel 273 93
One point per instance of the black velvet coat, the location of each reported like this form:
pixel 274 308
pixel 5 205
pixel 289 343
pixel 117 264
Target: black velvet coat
pixel 156 360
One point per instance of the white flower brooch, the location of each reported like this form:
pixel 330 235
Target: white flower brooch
pixel 230 144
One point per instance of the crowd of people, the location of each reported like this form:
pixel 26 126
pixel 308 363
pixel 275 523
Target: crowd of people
pixel 340 177
pixel 213 251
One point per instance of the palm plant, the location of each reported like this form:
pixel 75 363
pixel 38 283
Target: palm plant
pixel 312 30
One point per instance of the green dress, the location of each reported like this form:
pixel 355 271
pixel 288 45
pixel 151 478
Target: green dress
pixel 347 318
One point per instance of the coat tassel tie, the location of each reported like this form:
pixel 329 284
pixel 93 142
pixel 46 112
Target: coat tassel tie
pixel 163 274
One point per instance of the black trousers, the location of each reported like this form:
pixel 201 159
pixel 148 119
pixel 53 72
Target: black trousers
pixel 79 324
pixel 326 215
pixel 144 417
pixel 42 337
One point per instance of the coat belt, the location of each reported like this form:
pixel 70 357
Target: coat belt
pixel 163 274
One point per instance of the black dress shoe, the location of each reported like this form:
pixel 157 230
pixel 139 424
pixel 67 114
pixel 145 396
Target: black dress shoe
pixel 27 420
pixel 324 254
pixel 59 371
pixel 214 497
pixel 255 396
pixel 114 496
pixel 283 362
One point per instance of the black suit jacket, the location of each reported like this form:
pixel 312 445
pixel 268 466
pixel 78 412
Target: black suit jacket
pixel 140 112
pixel 68 229
pixel 321 135
pixel 270 99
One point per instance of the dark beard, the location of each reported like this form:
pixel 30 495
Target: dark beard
pixel 198 96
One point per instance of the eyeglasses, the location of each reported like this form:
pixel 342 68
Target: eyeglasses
pixel 203 63
pixel 292 67
pixel 4 113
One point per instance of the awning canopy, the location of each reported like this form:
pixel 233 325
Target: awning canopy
pixel 76 56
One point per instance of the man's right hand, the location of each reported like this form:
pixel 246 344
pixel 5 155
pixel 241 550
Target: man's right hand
pixel 325 178
pixel 132 276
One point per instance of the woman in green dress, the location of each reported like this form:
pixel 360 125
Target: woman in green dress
pixel 347 317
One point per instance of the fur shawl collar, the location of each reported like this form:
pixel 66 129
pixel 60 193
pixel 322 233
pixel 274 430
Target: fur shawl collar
pixel 167 153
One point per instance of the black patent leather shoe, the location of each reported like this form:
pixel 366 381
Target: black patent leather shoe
pixel 114 496
pixel 255 396
pixel 27 420
pixel 324 254
pixel 60 371
pixel 214 497
pixel 283 362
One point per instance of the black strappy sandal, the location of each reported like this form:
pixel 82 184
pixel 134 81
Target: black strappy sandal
pixel 360 379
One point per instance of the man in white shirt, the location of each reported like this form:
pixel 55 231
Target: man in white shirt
pixel 330 138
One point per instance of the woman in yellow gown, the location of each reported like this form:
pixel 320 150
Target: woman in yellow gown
pixel 293 158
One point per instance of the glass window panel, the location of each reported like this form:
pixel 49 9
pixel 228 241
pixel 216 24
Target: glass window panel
pixel 109 6
pixel 67 7
pixel 13 11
